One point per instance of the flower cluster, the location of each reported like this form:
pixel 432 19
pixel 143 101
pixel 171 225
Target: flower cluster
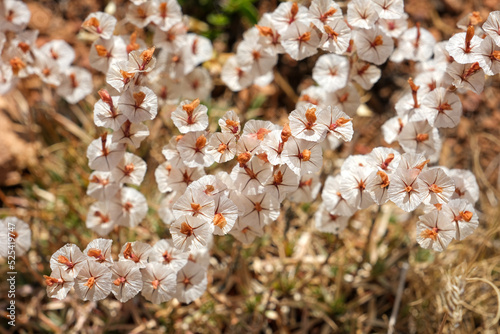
pixel 144 84
pixel 272 163
pixel 160 272
pixel 269 163
pixel 406 180
pixel 22 58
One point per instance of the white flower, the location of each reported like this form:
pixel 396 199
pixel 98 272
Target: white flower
pixel 119 77
pixel 249 177
pixel 130 133
pixel 377 185
pixel 211 185
pixel 189 233
pixel 393 127
pixel 433 231
pixel 106 112
pixel 46 68
pixel 75 85
pixel 165 253
pixel 190 116
pixel 60 51
pixel 181 176
pixel 406 190
pixel 466 186
pixel 331 72
pixel 165 211
pixel 246 231
pixel 361 14
pixel 129 207
pixel 93 281
pixel 308 189
pixel 492 26
pixel 105 51
pixel 415 44
pixel 197 84
pixel 99 218
pixel 346 99
pixel 333 200
pixel 230 123
pixel 131 169
pixel 200 47
pixel 419 137
pixel 127 280
pixel 99 250
pixel 300 40
pixel 222 146
pixel 463 47
pixel 288 15
pixel 138 104
pixel 373 45
pixel 251 53
pixel 269 36
pixel 283 182
pixel 439 187
pixel 236 76
pixel 59 283
pixel 302 156
pixel 191 283
pixel 413 160
pixel 337 123
pixel 258 210
pixel 167 13
pixel 304 123
pixel 101 187
pixel 195 203
pixel 158 283
pixel 69 258
pixel 194 150
pixel 257 129
pixel 100 24
pixel 14 15
pixel 365 74
pixel 488 56
pixel 466 76
pixel 394 27
pixel 353 186
pixel 337 35
pixel 442 108
pixel 327 222
pixel 141 61
pixel 140 15
pixel 384 158
pixel 226 213
pixel 323 12
pixel 389 9
pixel 136 252
pixel 460 213
pixel 14 231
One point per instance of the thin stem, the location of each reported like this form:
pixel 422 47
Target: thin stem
pixel 399 294
pixel 443 322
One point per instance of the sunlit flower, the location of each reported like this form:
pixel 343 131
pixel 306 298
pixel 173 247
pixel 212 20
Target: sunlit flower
pixel 439 187
pixel 327 222
pixel 93 281
pixel 59 283
pixel 191 283
pixel 129 207
pixel 190 232
pixel 190 116
pixel 69 258
pixel 165 253
pixel 14 231
pixel 137 252
pixel 127 280
pixel 158 283
pixel 99 250
pixel 462 215
pixel 100 24
pixel 434 231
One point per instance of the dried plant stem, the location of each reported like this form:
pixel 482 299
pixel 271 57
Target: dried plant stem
pixel 399 294
pixel 285 86
pixel 443 322
pixel 497 291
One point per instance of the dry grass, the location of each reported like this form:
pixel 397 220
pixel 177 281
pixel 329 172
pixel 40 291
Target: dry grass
pixel 292 280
